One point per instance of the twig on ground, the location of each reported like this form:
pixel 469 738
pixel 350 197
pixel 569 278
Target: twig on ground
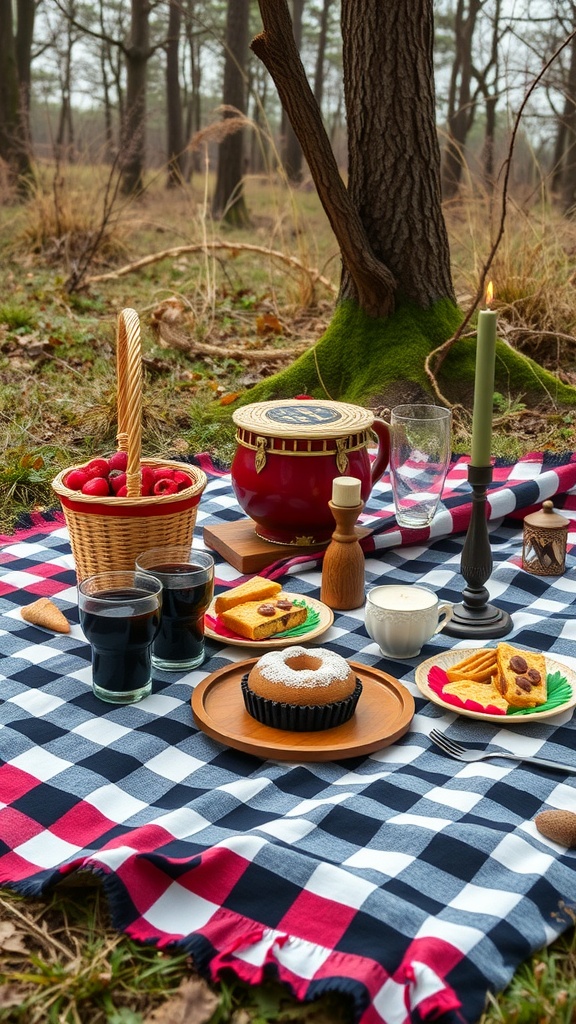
pixel 312 273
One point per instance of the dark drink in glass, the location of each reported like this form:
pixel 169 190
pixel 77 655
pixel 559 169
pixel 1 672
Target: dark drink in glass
pixel 187 578
pixel 120 616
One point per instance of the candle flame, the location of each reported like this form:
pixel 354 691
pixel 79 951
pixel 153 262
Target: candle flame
pixel 489 293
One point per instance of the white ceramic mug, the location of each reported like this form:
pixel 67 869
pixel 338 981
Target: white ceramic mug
pixel 401 618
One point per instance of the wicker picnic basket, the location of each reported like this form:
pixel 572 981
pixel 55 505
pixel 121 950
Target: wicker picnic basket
pixel 108 533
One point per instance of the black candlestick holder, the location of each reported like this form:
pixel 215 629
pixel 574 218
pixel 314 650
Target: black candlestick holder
pixel 475 618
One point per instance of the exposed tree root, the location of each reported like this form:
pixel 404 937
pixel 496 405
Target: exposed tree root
pixel 171 337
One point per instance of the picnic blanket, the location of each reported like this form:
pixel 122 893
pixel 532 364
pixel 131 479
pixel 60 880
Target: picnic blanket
pixel 407 882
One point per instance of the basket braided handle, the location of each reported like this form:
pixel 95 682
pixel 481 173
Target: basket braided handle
pixel 129 384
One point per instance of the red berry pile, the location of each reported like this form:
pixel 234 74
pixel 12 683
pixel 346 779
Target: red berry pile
pixel 105 478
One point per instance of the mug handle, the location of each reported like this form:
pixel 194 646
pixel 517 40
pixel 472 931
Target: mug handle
pixel 382 431
pixel 445 613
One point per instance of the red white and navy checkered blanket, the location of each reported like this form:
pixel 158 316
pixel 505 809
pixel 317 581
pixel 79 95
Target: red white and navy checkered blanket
pixel 407 881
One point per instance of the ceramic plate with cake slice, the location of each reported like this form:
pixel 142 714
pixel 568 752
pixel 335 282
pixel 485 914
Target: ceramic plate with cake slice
pixel 319 617
pixel 433 683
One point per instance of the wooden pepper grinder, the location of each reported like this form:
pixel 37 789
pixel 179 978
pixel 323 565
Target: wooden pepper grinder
pixel 343 564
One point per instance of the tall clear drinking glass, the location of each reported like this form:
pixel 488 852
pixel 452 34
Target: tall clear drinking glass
pixel 120 616
pixel 187 578
pixel 420 448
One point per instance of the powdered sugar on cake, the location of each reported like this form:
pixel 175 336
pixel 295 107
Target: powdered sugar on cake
pixel 273 667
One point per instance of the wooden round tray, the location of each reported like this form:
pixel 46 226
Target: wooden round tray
pixel 383 715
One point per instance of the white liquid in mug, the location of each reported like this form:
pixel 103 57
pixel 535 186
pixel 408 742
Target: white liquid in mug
pixel 400 619
pixel 408 599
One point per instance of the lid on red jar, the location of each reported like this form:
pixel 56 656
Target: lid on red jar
pixel 293 417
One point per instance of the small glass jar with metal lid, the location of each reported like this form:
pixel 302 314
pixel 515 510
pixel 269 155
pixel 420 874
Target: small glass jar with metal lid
pixel 544 542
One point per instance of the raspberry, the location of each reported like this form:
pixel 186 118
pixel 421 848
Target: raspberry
pixel 147 480
pixel 75 479
pixel 165 486
pixel 182 480
pixel 96 486
pixel 118 461
pixel 117 480
pixel 96 468
pixel 163 472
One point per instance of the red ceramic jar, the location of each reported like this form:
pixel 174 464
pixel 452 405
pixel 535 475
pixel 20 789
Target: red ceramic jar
pixel 289 452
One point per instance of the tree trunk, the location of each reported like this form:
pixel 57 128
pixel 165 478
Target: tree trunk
pixel 394 159
pixel 25 13
pixel 490 92
pixel 64 142
pixel 228 202
pixel 173 98
pixel 569 175
pixel 193 105
pixel 133 144
pixel 13 145
pixel 260 157
pixel 321 53
pixel 291 148
pixel 461 107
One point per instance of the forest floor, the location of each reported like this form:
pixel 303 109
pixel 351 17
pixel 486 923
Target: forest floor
pixel 219 312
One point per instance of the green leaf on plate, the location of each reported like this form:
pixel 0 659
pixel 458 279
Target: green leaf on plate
pixel 559 692
pixel 310 622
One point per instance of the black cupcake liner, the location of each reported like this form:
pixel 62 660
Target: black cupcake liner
pixel 299 717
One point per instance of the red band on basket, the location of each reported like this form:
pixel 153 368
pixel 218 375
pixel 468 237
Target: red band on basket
pixel 121 511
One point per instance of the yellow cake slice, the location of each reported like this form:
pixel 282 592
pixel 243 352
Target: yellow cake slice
pixel 259 620
pixel 521 677
pixel 484 694
pixel 255 589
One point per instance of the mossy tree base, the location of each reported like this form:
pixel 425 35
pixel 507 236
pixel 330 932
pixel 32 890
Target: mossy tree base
pixel 379 362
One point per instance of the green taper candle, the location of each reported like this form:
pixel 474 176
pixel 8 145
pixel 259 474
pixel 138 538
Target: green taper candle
pixel 484 385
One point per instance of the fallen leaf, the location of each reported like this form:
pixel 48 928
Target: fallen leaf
pixel 194 1003
pixel 31 461
pixel 230 397
pixel 10 995
pixel 12 938
pixel 267 323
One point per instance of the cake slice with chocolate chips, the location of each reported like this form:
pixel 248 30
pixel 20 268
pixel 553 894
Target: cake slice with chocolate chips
pixel 259 620
pixel 521 677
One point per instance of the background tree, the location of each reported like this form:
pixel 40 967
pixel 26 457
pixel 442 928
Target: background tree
pixel 192 101
pixel 25 15
pixel 488 79
pixel 319 71
pixel 173 97
pixel 291 150
pixel 461 103
pixel 137 52
pixel 15 60
pixel 64 38
pixel 228 202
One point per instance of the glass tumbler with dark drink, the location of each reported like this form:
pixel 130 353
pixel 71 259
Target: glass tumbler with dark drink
pixel 187 578
pixel 120 616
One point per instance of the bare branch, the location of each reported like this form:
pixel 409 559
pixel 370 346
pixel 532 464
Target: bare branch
pixel 314 275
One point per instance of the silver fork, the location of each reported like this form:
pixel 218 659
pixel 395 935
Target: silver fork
pixel 460 753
